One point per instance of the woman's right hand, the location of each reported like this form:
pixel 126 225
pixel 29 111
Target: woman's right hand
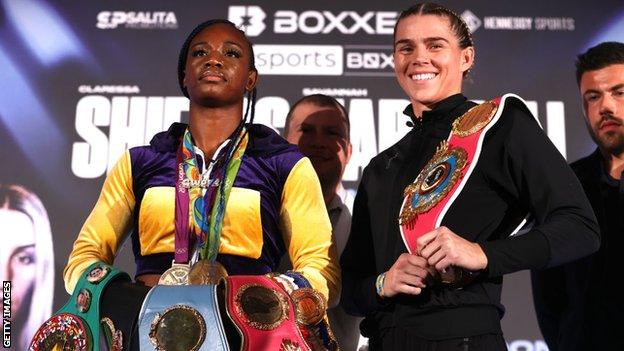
pixel 407 276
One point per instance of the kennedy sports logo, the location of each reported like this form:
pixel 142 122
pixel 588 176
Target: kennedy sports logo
pixel 248 18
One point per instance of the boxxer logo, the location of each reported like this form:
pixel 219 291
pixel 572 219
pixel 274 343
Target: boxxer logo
pixel 248 18
pixel 345 22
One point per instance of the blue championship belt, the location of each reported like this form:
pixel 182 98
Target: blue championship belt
pixel 183 317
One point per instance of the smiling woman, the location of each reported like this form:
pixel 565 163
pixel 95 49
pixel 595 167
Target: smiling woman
pixel 26 260
pixel 439 209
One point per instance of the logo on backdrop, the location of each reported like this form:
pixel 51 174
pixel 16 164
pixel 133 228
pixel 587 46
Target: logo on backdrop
pixel 137 20
pixel 474 22
pixel 248 18
pixel 251 20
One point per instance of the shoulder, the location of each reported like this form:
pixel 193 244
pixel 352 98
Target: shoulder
pixel 514 110
pixel 513 123
pixel 387 156
pixel 588 165
pixel 269 146
pixel 161 149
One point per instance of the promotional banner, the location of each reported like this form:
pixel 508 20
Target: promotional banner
pixel 83 81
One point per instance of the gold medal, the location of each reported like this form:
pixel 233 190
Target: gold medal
pixel 310 306
pixel 206 272
pixel 474 119
pixel 261 307
pixel 176 275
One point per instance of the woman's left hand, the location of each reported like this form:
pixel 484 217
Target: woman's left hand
pixel 442 248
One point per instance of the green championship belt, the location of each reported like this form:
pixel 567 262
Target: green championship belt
pixel 76 326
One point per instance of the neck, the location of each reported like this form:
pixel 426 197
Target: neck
pixel 614 164
pixel 210 126
pixel 330 193
pixel 419 108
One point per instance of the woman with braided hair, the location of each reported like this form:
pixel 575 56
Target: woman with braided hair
pixel 221 190
pixel 439 211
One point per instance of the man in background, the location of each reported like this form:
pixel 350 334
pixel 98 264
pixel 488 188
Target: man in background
pixel 319 125
pixel 579 305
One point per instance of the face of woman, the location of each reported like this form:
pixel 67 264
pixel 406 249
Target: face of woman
pixel 428 62
pixel 17 255
pixel 217 69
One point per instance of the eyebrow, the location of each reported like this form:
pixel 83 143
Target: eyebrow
pixel 595 91
pixel 617 87
pixel 227 42
pixel 426 40
pixel 22 248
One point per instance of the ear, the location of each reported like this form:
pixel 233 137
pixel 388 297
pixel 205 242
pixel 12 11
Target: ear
pixel 349 151
pixel 467 58
pixel 252 79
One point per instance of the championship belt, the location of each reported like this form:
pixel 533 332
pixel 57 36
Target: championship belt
pixel 77 325
pixel 438 184
pixel 181 318
pixel 263 314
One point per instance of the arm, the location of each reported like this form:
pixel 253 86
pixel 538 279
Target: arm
pixel 307 231
pixel 541 180
pixel 359 296
pixel 107 225
pixel 526 167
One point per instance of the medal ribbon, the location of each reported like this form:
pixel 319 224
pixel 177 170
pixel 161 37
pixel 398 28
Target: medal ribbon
pixel 189 185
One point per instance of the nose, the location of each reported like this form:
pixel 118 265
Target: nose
pixel 608 105
pixel 214 59
pixel 420 55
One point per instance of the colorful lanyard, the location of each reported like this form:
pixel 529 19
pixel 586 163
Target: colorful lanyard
pixel 209 209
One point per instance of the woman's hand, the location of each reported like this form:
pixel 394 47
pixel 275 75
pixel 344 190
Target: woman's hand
pixel 406 276
pixel 442 248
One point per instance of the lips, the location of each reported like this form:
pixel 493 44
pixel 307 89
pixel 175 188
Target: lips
pixel 422 77
pixel 212 76
pixel 609 124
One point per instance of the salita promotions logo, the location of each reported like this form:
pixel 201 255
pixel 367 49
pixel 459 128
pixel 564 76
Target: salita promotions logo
pixel 137 20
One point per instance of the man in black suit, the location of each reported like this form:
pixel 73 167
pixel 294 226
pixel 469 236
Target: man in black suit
pixel 579 305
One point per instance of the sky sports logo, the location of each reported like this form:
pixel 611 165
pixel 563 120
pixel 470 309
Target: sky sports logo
pixel 318 60
pixel 324 60
pixel 251 19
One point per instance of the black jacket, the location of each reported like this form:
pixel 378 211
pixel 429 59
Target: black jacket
pixel 519 172
pixel 579 304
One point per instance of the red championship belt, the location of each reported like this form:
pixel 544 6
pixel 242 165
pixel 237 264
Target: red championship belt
pixel 263 313
pixel 436 187
pixel 429 197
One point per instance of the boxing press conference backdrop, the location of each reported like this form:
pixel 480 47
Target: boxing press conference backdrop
pixel 82 81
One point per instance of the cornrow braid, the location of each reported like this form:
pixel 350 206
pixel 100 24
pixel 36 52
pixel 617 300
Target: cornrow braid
pixel 463 33
pixel 457 24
